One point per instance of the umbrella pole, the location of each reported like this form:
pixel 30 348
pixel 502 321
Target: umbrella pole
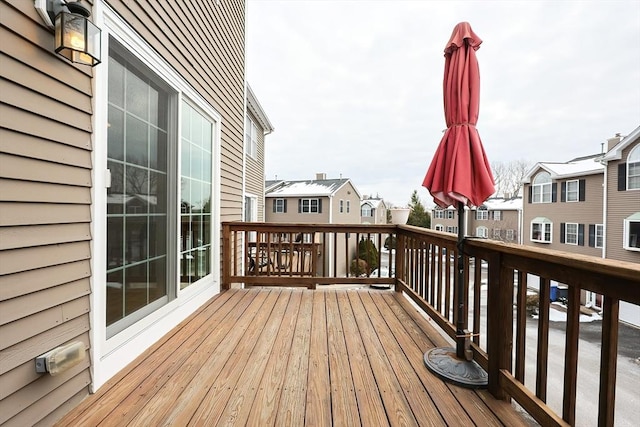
pixel 463 345
pixel 456 365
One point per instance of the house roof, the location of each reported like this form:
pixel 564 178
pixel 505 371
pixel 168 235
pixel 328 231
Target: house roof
pixel 616 152
pixel 254 106
pixel 316 187
pixel 375 203
pixel 584 166
pixel 501 204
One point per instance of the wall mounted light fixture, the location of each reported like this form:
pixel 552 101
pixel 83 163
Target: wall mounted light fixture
pixel 61 359
pixel 76 38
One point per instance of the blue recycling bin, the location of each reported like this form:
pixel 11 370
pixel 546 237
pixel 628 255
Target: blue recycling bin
pixel 553 295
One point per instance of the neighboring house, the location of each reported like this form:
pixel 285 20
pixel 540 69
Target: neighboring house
pixel 622 207
pixel 563 208
pixel 373 211
pixel 318 201
pixel 498 218
pixel 114 182
pixel 257 126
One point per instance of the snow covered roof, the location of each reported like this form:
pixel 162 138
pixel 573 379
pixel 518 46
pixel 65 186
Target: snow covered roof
pixel 586 166
pixel 320 187
pixel 375 203
pixel 501 204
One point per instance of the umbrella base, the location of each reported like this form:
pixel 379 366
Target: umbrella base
pixel 443 362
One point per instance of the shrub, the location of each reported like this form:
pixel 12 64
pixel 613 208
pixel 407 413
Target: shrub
pixel 368 252
pixel 359 267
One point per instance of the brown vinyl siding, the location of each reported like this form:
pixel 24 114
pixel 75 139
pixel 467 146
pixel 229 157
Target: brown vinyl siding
pixel 584 212
pixel 205 44
pixel 46 132
pixel 255 170
pixel 620 204
pixel 45 214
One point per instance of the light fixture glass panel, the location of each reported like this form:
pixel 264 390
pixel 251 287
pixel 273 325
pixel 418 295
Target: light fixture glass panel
pixel 77 39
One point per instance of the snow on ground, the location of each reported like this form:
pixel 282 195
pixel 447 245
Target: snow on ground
pixel 559 315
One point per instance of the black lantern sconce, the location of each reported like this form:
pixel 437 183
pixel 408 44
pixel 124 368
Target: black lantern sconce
pixel 76 38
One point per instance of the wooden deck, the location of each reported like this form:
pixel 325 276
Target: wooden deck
pixel 278 357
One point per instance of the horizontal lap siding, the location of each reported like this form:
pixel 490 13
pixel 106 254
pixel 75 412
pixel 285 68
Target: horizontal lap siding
pixel 45 214
pixel 620 204
pixel 205 44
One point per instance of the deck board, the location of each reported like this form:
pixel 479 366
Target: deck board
pixel 278 357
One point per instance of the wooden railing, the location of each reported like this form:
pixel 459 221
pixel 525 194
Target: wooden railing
pixel 424 264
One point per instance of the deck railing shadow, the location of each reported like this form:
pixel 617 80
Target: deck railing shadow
pixel 422 265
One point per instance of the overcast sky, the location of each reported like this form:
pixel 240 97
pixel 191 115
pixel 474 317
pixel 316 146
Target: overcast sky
pixel 354 88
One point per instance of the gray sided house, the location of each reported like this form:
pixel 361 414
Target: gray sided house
pixel 373 211
pixel 622 208
pixel 498 218
pixel 563 206
pixel 257 126
pixel 113 183
pixel 318 201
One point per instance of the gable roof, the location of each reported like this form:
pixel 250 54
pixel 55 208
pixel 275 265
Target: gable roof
pixel 616 152
pixel 374 203
pixel 314 187
pixel 502 204
pixel 254 106
pixel 588 165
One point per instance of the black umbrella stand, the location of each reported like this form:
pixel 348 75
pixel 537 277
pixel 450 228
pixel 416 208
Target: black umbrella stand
pixel 456 365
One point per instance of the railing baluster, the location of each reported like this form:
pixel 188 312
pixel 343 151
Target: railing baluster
pixel 571 355
pixel 543 340
pixel 477 290
pixel 521 326
pixel 608 361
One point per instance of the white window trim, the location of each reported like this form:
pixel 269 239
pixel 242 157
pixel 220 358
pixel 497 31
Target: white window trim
pixel 251 147
pixel 626 236
pixel 310 204
pixel 497 215
pixel 566 233
pixel 482 231
pixel 634 151
pixel 543 224
pixel 341 206
pixel 366 211
pixel 595 243
pixel 111 355
pixel 541 187
pixel 275 201
pixel 577 192
pixel 348 206
pixel 482 215
pixel 439 227
pixel 510 235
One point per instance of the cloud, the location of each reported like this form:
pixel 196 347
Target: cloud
pixel 355 87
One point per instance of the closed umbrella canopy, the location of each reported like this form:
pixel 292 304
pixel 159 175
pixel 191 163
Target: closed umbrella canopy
pixel 460 171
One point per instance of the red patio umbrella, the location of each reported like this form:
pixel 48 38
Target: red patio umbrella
pixel 460 171
pixel 460 175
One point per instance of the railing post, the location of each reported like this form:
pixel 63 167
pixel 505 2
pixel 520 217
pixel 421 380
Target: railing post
pixel 499 323
pixel 401 243
pixel 226 256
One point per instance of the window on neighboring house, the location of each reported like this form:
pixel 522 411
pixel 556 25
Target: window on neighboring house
pixel 497 215
pixel 541 229
pixel 541 188
pixel 482 232
pixel 633 169
pixel 341 204
pixel 438 214
pixel 482 214
pixel 366 211
pixel 596 235
pixel 439 227
pixel 451 214
pixel 510 235
pixel 309 206
pixel 146 237
pixel 250 137
pixel 280 205
pixel 571 233
pixel 631 231
pixel 452 229
pixel 348 206
pixel 497 233
pixel 571 191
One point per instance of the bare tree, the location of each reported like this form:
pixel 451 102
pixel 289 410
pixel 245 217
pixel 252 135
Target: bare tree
pixel 508 176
